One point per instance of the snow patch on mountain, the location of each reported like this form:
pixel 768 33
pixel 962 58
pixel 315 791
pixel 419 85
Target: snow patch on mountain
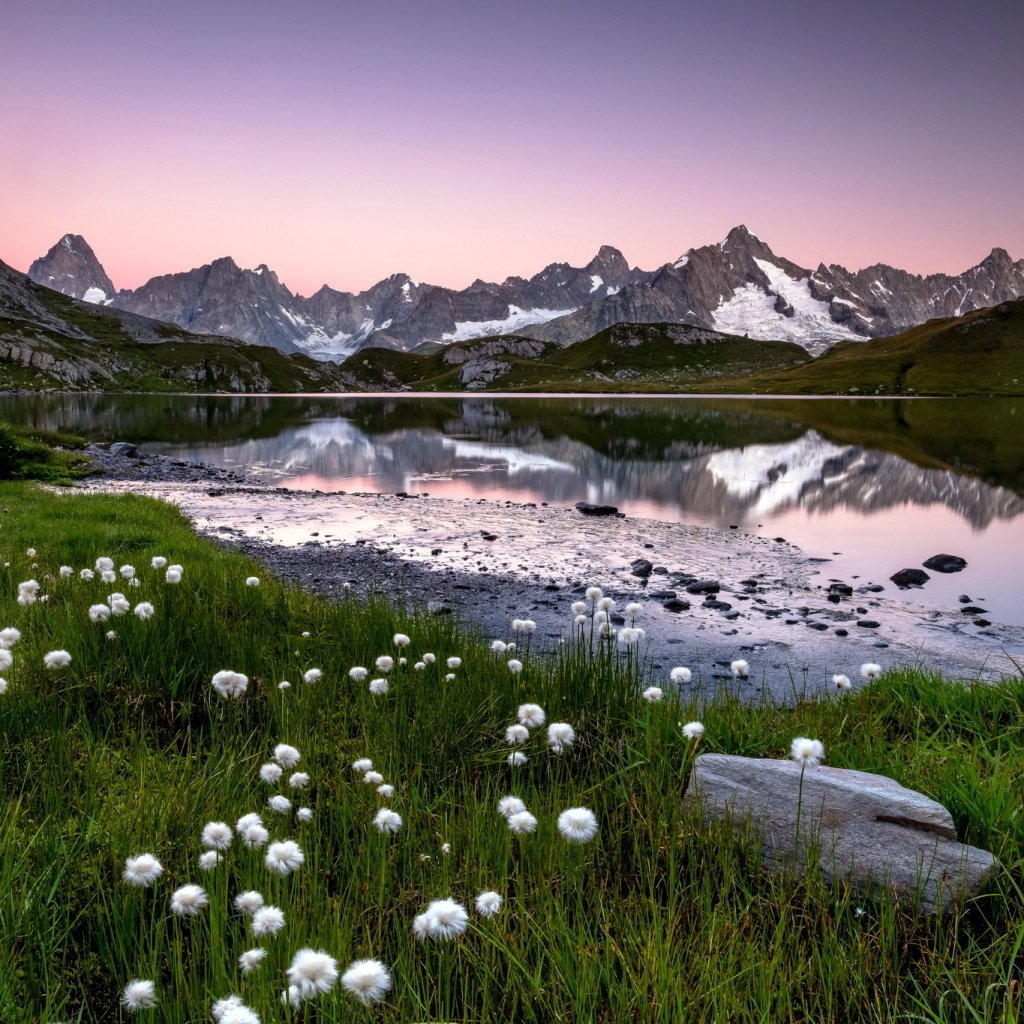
pixel 97 296
pixel 751 311
pixel 517 318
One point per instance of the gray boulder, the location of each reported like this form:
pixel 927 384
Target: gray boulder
pixel 866 829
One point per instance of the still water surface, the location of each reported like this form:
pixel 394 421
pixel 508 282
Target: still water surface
pixel 873 485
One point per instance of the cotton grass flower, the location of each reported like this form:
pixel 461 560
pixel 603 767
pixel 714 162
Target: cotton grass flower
pixel 9 637
pixel 516 734
pixel 144 610
pixel 268 920
pixel 606 604
pixel 806 751
pixel 127 572
pixel 653 694
pixel 174 574
pixel 515 666
pixel 209 860
pixel 119 604
pixel 230 684
pixel 740 669
pixel 142 870
pixel 286 755
pixel 6 659
pixel 252 818
pixel 401 640
pixel 509 805
pixel 284 685
pixel 450 677
pixel 279 804
pixel 577 824
pixel 3 686
pixel 373 778
pixel 841 682
pixel 251 959
pixel 222 1006
pixel 313 972
pixel 378 687
pixel 594 593
pixel 104 564
pixel 523 626
pixel 57 659
pixel 99 613
pixel 312 675
pixel 252 581
pixel 298 780
pixel 385 790
pixel 517 758
pixel 357 674
pixel 284 857
pixel 522 823
pixel 444 920
pixel 216 835
pixel 368 980
pixel 680 675
pixel 270 772
pixel 634 608
pixel 189 900
pixel 385 663
pixel 28 592
pixel 139 994
pixel 255 835
pixel 87 575
pixel 419 666
pixel 108 576
pixel 111 634
pixel 454 662
pixel 364 764
pixel 157 562
pixel 66 571
pixel 631 635
pixel 560 736
pixel 249 902
pixel 429 658
pixel 870 671
pixel 387 820
pixel 498 646
pixel 693 730
pixel 304 814
pixel 531 715
pixel 489 903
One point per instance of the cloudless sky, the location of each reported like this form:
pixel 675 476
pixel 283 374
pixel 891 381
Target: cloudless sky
pixel 341 142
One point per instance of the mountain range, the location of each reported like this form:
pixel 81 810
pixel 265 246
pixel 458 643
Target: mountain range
pixel 738 286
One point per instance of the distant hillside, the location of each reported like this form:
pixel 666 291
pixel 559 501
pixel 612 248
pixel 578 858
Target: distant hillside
pixel 626 357
pixel 52 341
pixel 981 353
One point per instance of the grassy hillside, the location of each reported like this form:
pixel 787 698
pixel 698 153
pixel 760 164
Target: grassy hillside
pixel 625 358
pixel 129 749
pixel 981 353
pixel 51 341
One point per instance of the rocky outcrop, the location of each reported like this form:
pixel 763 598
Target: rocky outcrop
pixel 863 829
pixel 71 268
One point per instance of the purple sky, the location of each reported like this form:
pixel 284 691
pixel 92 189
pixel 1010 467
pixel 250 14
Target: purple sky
pixel 340 143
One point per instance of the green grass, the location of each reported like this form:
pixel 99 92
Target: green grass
pixel 659 919
pixel 28 454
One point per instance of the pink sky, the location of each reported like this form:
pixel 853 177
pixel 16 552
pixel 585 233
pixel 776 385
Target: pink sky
pixel 452 140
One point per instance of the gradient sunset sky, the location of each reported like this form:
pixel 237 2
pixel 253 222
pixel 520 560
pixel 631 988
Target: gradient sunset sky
pixel 341 142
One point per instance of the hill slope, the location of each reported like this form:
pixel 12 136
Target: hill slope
pixel 49 340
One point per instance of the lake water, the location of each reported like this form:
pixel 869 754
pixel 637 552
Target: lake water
pixel 872 485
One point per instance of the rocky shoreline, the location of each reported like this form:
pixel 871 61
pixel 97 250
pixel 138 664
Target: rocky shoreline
pixel 709 596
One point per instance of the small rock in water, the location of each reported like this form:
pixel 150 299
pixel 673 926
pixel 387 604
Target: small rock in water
pixel 867 624
pixel 910 578
pixel 125 449
pixel 674 604
pixel 946 563
pixel 641 567
pixel 587 509
pixel 703 587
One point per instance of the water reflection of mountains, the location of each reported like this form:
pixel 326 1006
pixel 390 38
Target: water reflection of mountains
pixel 728 485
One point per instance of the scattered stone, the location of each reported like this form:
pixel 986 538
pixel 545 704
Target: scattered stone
pixel 867 829
pixel 820 626
pixel 868 624
pixel 124 449
pixel 982 622
pixel 438 608
pixel 946 563
pixel 662 595
pixel 842 589
pixel 910 578
pixel 675 604
pixel 842 632
pixel 972 609
pixel 641 567
pixel 964 599
pixel 703 587
pixel 585 508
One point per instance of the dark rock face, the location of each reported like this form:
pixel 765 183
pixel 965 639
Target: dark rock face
pixel 703 587
pixel 586 509
pixel 910 578
pixel 946 563
pixel 641 567
pixel 71 267
pixel 561 304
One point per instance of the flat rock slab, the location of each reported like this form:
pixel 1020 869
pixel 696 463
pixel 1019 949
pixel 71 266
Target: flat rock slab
pixel 867 829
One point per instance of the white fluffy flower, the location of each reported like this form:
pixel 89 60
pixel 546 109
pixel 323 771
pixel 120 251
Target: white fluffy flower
pixel 454 662
pixel 3 686
pixel 298 780
pixel 373 778
pixel 251 959
pixel 367 980
pixel 443 919
pixel 653 694
pixel 143 869
pixel 312 675
pixel 144 610
pixel 516 734
pixel 127 572
pixel 594 593
pixel 108 576
pixel 284 857
pixel 249 902
pixel 400 640
pixel 384 663
pixel 357 674
pixel 488 903
pixel 252 818
pixel 807 752
pixel 429 659
pixel 111 634
pixel 509 805
pixel 680 675
pixel 517 758
pixel 252 581
pixel 841 682
pixel 230 684
pixel 216 835
pixel 268 920
pixel 188 900
pixel 577 824
pixel 138 994
pixel 279 804
pixel 104 564
pixel 209 860
pixel 86 574
pixel 385 790
pixel 173 574
pixel 255 835
pixel 6 659
pixel 693 730
pixel 158 561
pixel 9 636
pixel 270 772
pixel 66 571
pixel 312 972
pixel 387 820
pixel 870 671
pixel 286 755
pixel 378 687
pixel 57 659
pixel 560 736
pixel 531 715
pixel 364 764
pixel 498 646
pixel 515 666
pixel 740 669
pixel 304 814
pixel 119 604
pixel 522 823
pixel 634 608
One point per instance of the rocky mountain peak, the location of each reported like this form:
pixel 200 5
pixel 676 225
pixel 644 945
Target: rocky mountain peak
pixel 71 267
pixel 609 263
